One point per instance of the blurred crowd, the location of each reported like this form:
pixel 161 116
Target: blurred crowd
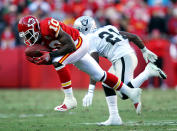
pixel 155 21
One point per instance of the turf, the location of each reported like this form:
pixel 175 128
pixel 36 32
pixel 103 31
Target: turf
pixel 32 110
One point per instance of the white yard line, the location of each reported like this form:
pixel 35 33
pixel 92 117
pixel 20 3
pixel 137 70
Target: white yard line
pixel 31 115
pixel 3 116
pixel 20 116
pixel 129 123
pixel 153 123
pixel 145 123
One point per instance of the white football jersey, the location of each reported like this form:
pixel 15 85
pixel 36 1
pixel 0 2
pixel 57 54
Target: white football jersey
pixel 107 42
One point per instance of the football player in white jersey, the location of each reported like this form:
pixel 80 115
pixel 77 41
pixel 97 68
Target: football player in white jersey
pixel 114 45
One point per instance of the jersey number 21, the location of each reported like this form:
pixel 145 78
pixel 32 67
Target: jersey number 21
pixel 111 36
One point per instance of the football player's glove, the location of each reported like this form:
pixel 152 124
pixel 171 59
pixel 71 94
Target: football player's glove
pixel 45 59
pixel 30 59
pixel 148 55
pixel 87 100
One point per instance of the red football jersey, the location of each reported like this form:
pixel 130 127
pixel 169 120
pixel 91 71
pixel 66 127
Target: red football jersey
pixel 50 29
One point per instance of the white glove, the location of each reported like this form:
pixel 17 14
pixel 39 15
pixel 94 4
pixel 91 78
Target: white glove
pixel 87 100
pixel 148 55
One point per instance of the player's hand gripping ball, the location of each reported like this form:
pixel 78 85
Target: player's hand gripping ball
pixel 34 51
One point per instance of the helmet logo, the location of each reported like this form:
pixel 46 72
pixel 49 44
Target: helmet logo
pixel 84 22
pixel 31 22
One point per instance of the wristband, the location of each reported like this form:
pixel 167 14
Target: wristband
pixel 91 88
pixel 144 49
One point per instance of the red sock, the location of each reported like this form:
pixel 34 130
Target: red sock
pixel 65 77
pixel 113 81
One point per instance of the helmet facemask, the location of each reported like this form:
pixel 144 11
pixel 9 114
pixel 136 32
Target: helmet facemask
pixel 30 37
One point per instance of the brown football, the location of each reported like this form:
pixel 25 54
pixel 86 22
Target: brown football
pixel 34 50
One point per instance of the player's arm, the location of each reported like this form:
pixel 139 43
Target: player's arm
pixel 147 54
pixel 87 100
pixel 67 42
pixel 68 47
pixel 56 32
pixel 133 38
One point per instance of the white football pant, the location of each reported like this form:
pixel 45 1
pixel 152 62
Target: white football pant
pixel 124 67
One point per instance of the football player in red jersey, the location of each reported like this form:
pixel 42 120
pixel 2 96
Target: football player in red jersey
pixel 52 33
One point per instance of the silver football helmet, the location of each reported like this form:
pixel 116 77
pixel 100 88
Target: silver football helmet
pixel 85 24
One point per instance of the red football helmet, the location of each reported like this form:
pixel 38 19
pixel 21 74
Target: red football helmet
pixel 29 29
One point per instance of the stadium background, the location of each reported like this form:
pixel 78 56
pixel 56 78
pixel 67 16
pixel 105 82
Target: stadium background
pixel 155 21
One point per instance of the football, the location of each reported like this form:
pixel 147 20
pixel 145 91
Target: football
pixel 34 50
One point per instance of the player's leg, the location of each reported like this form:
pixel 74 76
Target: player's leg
pixel 64 75
pixel 119 69
pixel 111 99
pixel 127 64
pixel 65 79
pixel 151 70
pixel 91 67
pixel 130 65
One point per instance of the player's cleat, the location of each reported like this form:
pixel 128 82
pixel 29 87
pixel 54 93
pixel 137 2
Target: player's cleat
pixel 67 104
pixel 115 121
pixel 124 96
pixel 155 71
pixel 138 107
pixel 135 97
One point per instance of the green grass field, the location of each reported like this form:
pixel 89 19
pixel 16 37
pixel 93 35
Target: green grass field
pixel 32 110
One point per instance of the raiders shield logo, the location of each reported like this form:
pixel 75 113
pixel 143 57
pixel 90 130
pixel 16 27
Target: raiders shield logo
pixel 84 22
